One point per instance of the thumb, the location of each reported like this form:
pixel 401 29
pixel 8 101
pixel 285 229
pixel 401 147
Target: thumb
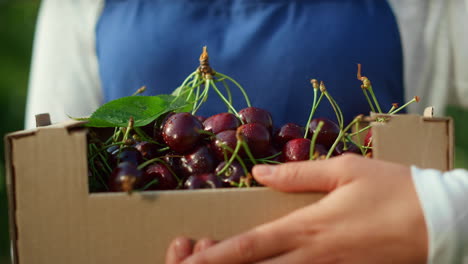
pixel 302 176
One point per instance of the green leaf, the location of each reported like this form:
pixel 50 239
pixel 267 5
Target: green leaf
pixel 143 109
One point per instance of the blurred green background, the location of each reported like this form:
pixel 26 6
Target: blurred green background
pixel 17 21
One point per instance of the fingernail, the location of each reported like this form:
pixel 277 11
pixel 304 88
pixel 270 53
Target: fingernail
pixel 263 171
pixel 183 248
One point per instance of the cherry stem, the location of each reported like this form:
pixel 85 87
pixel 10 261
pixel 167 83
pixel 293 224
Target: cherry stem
pixel 145 137
pixel 312 110
pixel 247 100
pixel 249 153
pixel 139 91
pixel 127 131
pixel 193 82
pixel 341 134
pixel 187 79
pixel 149 184
pixel 93 168
pixel 336 108
pixel 233 156
pixel 228 93
pixel 364 90
pixel 312 114
pixel 229 105
pixel 415 99
pixel 199 101
pixel 371 91
pixel 314 139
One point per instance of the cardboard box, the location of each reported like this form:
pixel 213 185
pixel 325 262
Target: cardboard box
pixel 54 219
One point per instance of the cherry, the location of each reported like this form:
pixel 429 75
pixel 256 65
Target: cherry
pixel 203 181
pixel 351 148
pixel 257 138
pixel 233 173
pixel 201 160
pixel 181 132
pixel 296 149
pixel 160 172
pixel 148 150
pixel 228 138
pixel 221 122
pixel 327 134
pixel 287 132
pixel 129 154
pixel 368 139
pixel 158 125
pixel 256 115
pixel 124 177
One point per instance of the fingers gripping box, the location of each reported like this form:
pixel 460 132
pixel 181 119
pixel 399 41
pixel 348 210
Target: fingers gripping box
pixel 54 218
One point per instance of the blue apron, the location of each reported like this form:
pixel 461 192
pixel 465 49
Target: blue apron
pixel 272 47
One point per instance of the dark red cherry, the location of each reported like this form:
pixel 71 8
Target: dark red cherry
pixel 181 132
pixel 320 152
pixel 257 138
pixel 221 122
pixel 350 148
pixel 227 138
pixel 203 181
pixel 201 160
pixel 159 172
pixel 129 154
pixel 233 173
pixel 327 134
pixel 158 125
pixel 148 150
pixel 256 115
pixel 124 177
pixel 296 150
pixel 287 132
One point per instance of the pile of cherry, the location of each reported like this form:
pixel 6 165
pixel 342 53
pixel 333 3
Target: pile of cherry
pixel 191 152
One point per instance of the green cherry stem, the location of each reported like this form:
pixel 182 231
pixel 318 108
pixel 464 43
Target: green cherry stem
pixel 314 103
pixel 341 134
pixel 314 139
pixel 247 100
pixel 228 91
pixel 336 108
pixel 229 105
pixel 415 99
pixel 371 91
pixel 364 91
pixel 233 156
pixel 394 106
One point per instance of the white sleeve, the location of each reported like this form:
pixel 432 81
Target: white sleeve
pixel 434 38
pixel 444 200
pixel 64 79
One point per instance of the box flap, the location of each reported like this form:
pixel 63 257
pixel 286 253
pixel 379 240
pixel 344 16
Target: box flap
pixel 414 140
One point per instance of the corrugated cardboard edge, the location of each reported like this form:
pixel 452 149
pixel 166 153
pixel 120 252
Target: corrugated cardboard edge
pixel 10 174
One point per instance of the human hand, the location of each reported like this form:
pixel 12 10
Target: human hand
pixel 371 215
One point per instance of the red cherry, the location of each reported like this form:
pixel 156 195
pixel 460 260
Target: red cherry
pixel 257 138
pixel 221 122
pixel 296 150
pixel 287 132
pixel 327 134
pixel 165 179
pixel 256 115
pixel 181 132
pixel 203 181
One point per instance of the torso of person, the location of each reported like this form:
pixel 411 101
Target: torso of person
pixel 271 47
